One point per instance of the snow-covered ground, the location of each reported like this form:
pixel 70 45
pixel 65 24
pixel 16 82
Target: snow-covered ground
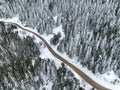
pixel 59 30
pixel 109 79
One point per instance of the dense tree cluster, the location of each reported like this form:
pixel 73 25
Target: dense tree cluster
pixel 17 70
pixel 91 28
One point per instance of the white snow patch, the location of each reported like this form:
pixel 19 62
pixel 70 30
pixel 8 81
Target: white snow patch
pixel 111 77
pixel 47 83
pixel 57 30
pixel 2 1
pixel 21 33
pixel 36 78
pixel 49 86
pixel 33 63
pixel 55 18
pixel 14 19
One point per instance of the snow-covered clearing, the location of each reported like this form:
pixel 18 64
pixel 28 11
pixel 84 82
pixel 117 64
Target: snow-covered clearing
pixel 59 30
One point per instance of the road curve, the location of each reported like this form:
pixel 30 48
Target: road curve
pixel 78 71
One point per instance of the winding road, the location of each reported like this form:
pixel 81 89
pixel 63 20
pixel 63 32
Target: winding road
pixel 77 70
